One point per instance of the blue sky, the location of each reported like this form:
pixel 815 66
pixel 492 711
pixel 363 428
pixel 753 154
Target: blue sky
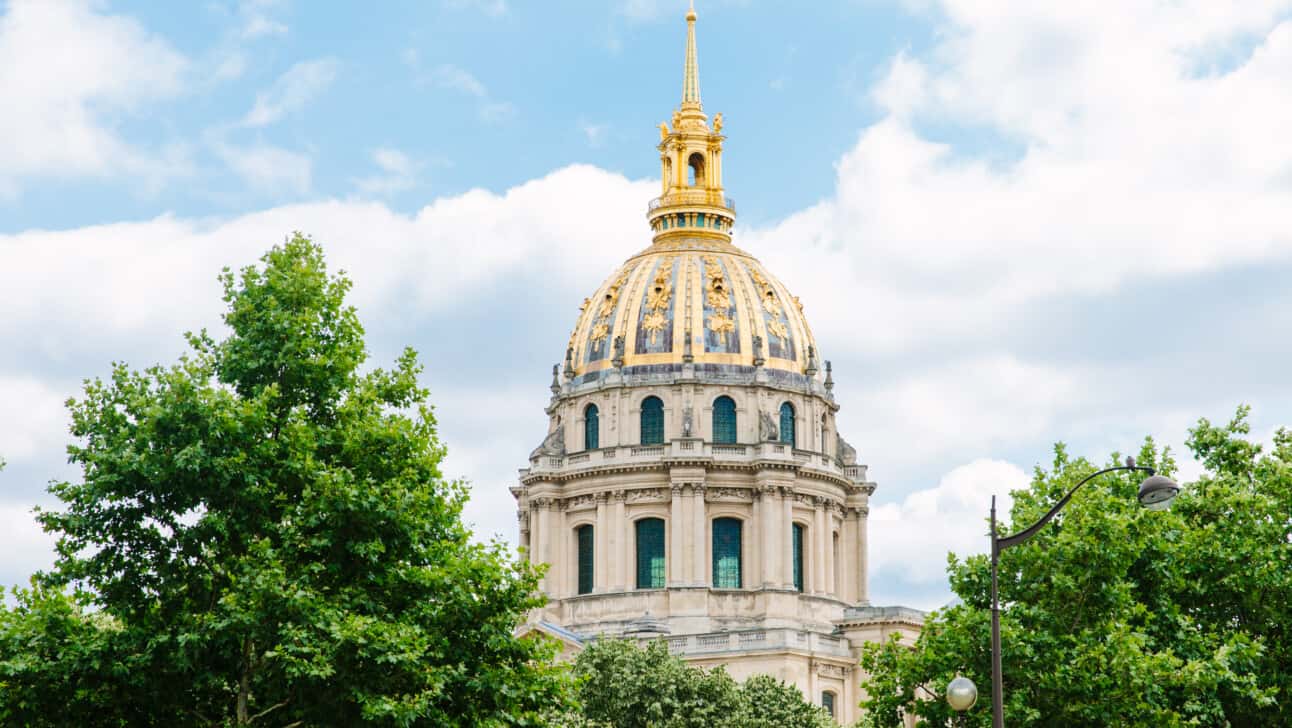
pixel 1010 224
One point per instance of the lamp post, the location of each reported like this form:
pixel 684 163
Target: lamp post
pixel 1155 494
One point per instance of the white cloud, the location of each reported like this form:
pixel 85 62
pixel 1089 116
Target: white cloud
pixel 257 20
pixel 292 91
pixel 450 76
pixel 61 107
pixel 1126 164
pixel 35 416
pixel 909 541
pixel 27 548
pixel 267 168
pixel 398 173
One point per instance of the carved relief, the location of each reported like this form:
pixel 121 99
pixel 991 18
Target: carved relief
pixel 768 429
pixel 825 670
pixel 647 495
pixel 729 495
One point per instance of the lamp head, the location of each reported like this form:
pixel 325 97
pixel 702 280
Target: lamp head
pixel 1156 492
pixel 961 694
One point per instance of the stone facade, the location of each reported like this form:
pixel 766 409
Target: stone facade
pixel 692 397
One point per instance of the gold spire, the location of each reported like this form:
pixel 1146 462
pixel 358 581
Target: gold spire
pixel 691 78
pixel 692 204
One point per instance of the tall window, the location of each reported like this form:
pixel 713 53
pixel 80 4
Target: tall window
pixel 586 551
pixel 591 428
pixel 652 421
pixel 724 420
pixel 798 557
pixel 726 553
pixel 650 553
pixel 787 424
pixel 827 702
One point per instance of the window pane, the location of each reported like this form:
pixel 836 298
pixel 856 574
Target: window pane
pixel 827 702
pixel 650 553
pixel 586 550
pixel 652 421
pixel 726 553
pixel 787 424
pixel 591 428
pixel 724 420
pixel 798 557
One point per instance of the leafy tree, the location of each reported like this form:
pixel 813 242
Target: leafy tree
pixel 624 686
pixel 1115 615
pixel 262 535
pixel 771 703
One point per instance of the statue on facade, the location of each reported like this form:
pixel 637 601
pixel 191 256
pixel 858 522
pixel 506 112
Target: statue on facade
pixel 553 444
pixel 618 360
pixel 758 351
pixel 767 429
pixel 686 421
pixel 717 123
pixel 663 131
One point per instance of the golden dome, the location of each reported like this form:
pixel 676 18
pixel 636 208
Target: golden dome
pixel 690 300
pixel 691 297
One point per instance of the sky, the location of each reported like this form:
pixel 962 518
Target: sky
pixel 1010 224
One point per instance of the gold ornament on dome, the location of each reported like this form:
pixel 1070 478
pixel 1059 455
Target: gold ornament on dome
pixel 600 332
pixel 720 323
pixel 654 323
pixel 777 328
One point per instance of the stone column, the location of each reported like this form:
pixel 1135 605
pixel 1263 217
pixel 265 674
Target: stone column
pixel 784 542
pixel 619 550
pixel 674 552
pixel 758 534
pixel 830 566
pixel 699 516
pixel 862 572
pixel 601 547
pixel 819 545
pixel 848 547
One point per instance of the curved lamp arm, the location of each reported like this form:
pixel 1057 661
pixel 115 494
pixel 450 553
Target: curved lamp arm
pixel 1004 542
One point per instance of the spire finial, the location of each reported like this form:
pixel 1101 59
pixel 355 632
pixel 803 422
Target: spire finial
pixel 691 81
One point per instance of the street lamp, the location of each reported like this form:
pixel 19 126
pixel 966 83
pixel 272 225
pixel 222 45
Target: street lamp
pixel 1155 494
pixel 961 694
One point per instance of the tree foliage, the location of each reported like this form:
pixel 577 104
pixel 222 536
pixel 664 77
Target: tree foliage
pixel 624 686
pixel 1115 615
pixel 262 535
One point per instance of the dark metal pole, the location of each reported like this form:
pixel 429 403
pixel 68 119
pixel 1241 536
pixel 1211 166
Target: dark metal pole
pixel 997 690
pixel 999 543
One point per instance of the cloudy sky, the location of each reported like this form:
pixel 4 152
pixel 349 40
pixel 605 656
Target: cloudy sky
pixel 1009 223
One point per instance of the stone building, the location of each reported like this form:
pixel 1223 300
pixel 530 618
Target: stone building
pixel 693 485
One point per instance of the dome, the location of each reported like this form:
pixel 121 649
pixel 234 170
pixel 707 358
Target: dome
pixel 695 300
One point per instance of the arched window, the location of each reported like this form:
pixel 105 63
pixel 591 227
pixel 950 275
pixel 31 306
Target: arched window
pixel 695 175
pixel 650 553
pixel 787 424
pixel 652 421
pixel 586 556
pixel 827 702
pixel 724 420
pixel 798 556
pixel 726 553
pixel 591 428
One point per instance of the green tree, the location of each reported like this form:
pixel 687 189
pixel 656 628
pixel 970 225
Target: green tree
pixel 624 686
pixel 1115 615
pixel 262 535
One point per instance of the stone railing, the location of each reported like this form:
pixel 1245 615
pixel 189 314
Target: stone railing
pixel 692 197
pixel 694 449
pixel 759 639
